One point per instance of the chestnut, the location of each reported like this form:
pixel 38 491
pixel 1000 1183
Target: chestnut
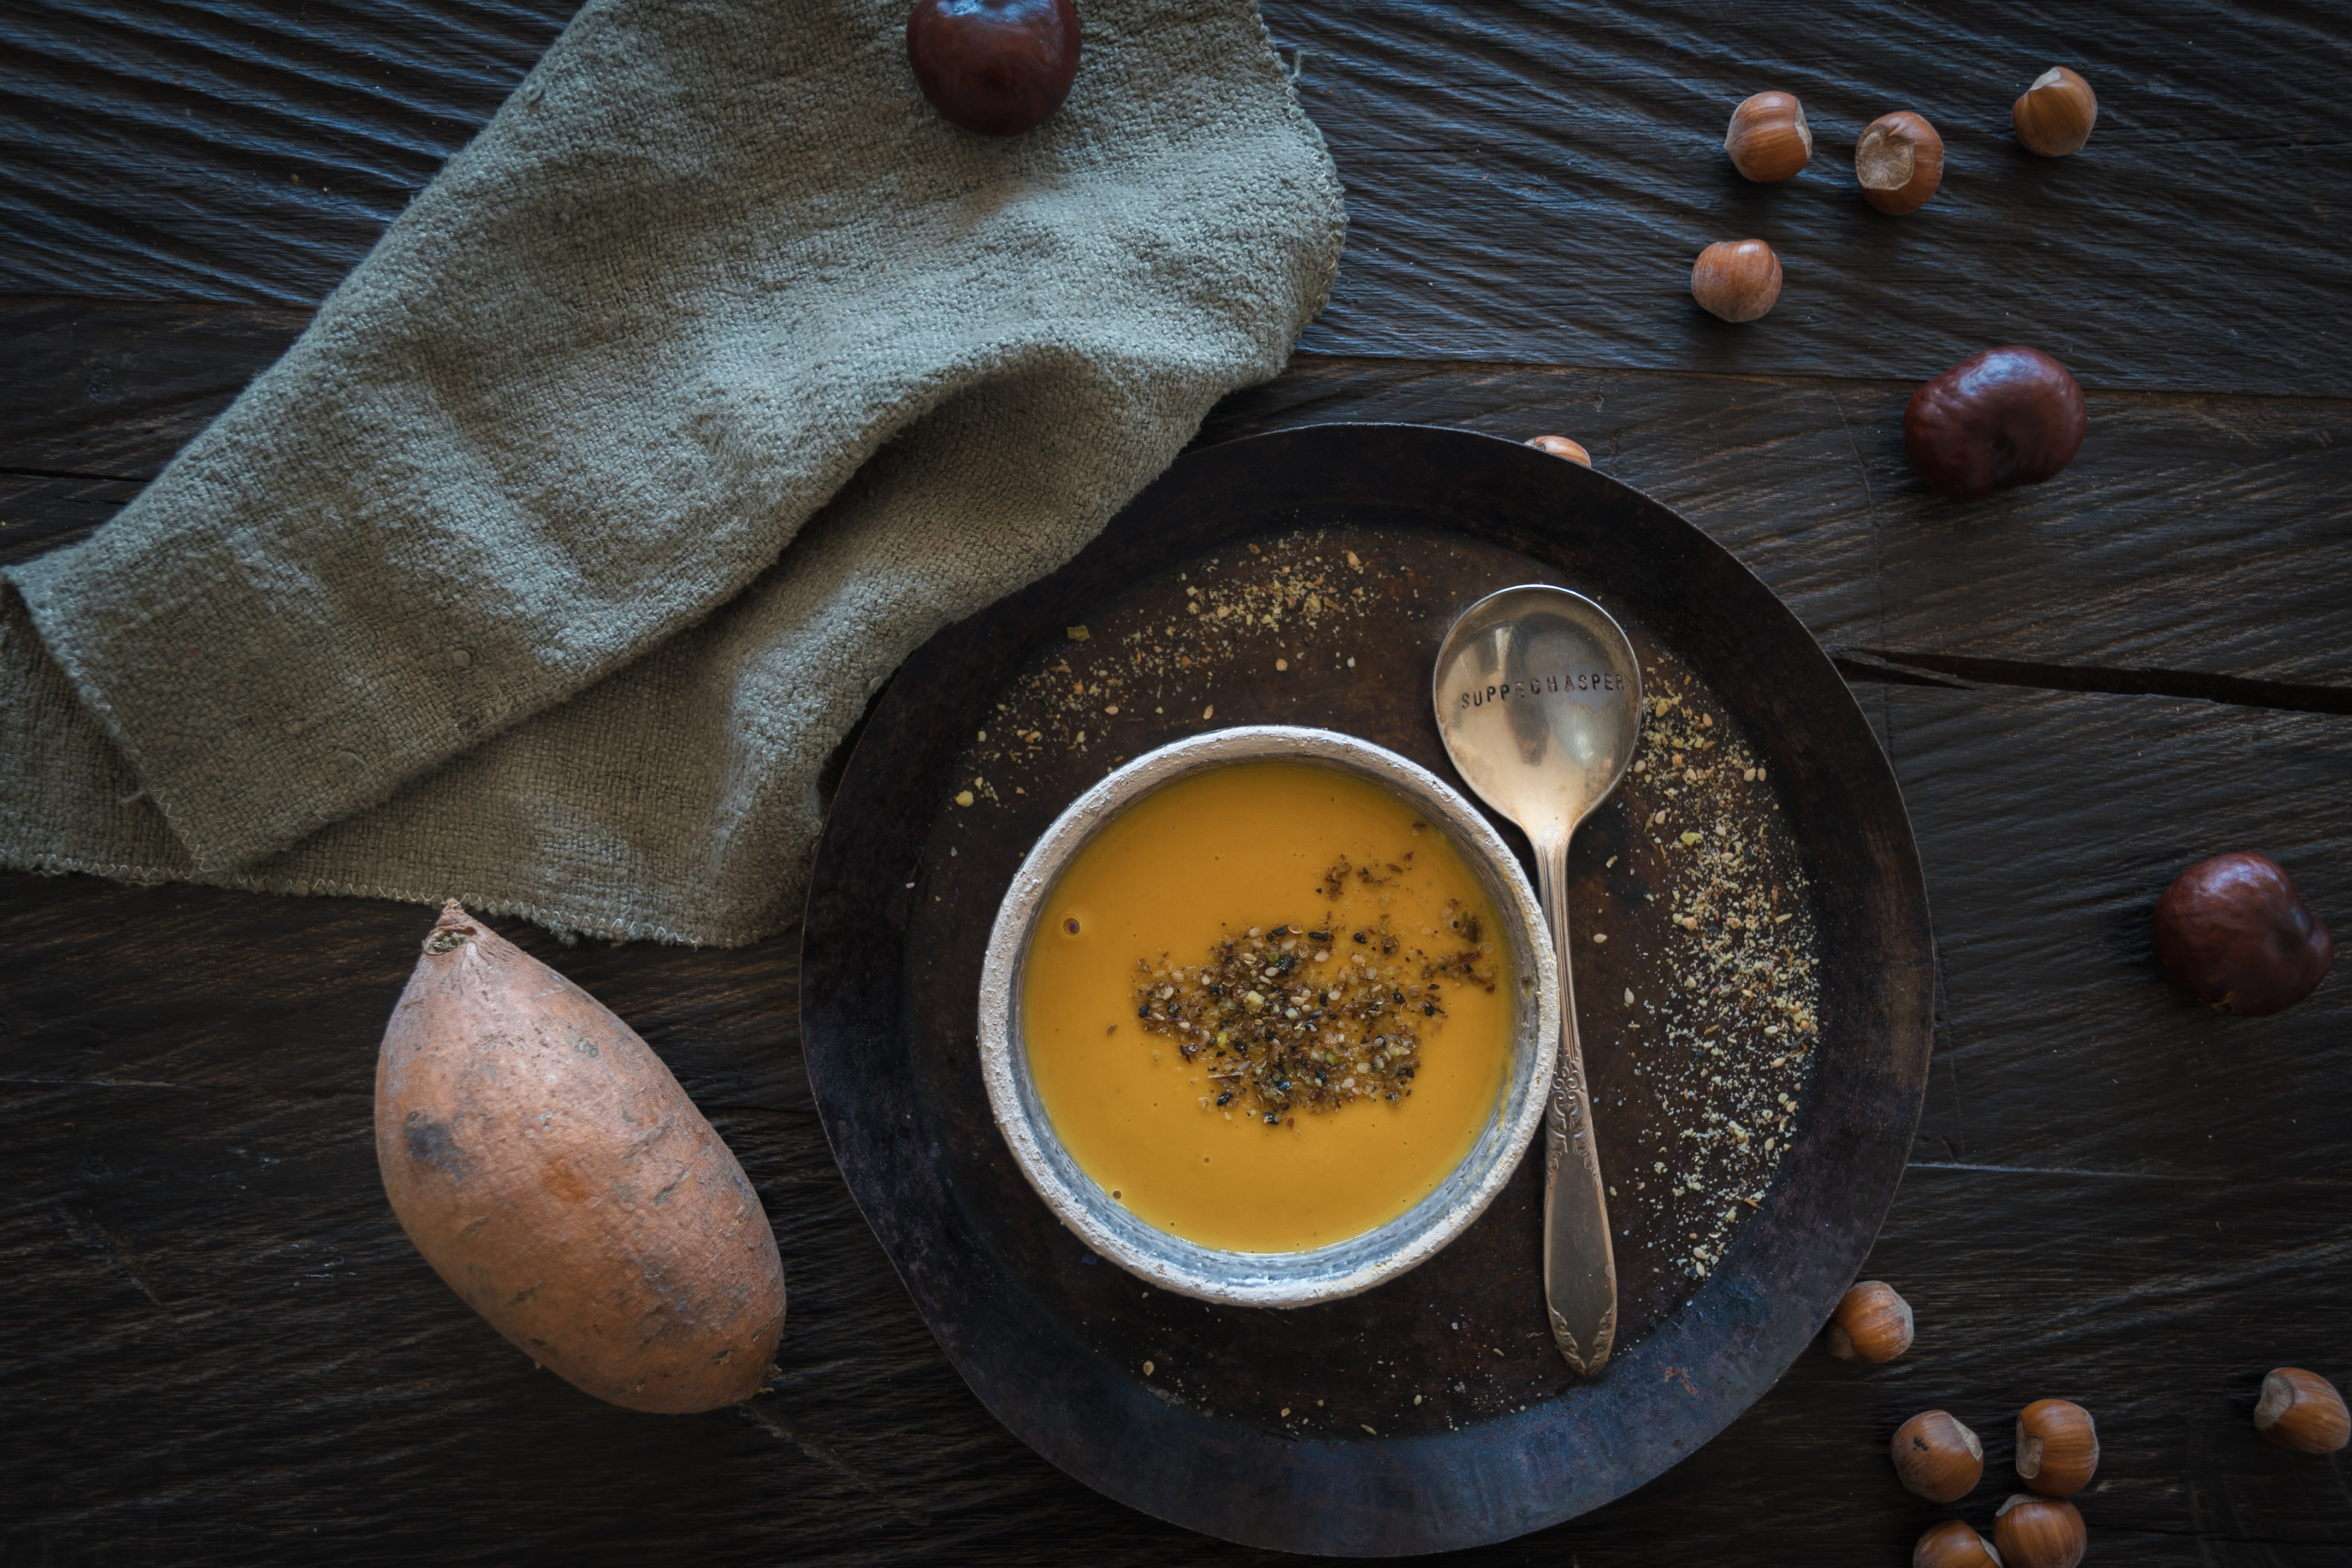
pixel 1952 1544
pixel 2057 1448
pixel 1872 1323
pixel 2004 417
pixel 2302 1410
pixel 996 67
pixel 2231 931
pixel 1936 1457
pixel 2031 1531
pixel 1898 162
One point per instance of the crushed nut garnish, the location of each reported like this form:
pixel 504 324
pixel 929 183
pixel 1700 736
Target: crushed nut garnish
pixel 1311 1018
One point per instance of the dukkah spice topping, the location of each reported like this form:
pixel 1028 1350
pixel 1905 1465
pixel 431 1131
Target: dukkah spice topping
pixel 1297 1018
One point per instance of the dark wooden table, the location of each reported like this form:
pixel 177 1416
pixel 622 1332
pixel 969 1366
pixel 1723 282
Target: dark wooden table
pixel 219 1346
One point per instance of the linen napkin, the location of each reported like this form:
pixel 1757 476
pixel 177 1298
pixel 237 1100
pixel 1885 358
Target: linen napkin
pixel 549 564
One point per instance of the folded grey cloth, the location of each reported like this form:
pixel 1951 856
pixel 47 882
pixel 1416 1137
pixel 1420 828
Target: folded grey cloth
pixel 548 567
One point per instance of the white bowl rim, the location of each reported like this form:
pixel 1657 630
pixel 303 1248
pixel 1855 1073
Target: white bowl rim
pixel 1283 1279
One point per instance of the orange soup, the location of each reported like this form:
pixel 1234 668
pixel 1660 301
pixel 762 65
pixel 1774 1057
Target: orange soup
pixel 1268 1008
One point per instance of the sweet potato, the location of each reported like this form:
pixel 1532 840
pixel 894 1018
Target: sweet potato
pixel 551 1171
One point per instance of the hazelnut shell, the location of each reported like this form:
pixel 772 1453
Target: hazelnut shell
pixel 1936 1457
pixel 1898 161
pixel 2053 116
pixel 2001 418
pixel 2057 1448
pixel 1768 140
pixel 2301 1410
pixel 2039 1532
pixel 1952 1544
pixel 1736 280
pixel 1872 1323
pixel 994 67
pixel 2233 931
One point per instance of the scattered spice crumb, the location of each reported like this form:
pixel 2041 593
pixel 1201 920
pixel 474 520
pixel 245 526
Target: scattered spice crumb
pixel 1743 946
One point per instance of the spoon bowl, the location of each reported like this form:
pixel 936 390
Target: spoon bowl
pixel 1538 697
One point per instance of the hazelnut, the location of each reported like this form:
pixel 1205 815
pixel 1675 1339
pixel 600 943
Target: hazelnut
pixel 1736 280
pixel 1952 1544
pixel 2055 115
pixel 2231 931
pixel 2057 1448
pixel 996 67
pixel 1936 1457
pixel 1872 1323
pixel 1561 446
pixel 1899 161
pixel 2302 1410
pixel 1769 139
pixel 2031 1531
pixel 2004 417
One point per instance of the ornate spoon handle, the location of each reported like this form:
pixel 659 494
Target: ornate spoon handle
pixel 1579 1266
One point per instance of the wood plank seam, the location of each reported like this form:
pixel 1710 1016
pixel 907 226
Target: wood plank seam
pixel 1960 671
pixel 1488 365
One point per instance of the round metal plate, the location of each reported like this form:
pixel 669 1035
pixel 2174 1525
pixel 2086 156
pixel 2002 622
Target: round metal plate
pixel 1430 1412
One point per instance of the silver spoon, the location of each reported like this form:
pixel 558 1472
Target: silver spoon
pixel 1539 700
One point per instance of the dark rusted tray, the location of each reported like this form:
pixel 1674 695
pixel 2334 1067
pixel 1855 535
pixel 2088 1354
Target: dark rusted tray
pixel 1430 1413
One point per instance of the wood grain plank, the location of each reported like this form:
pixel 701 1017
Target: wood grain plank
pixel 41 512
pixel 2051 823
pixel 106 389
pixel 2157 1306
pixel 2196 533
pixel 226 150
pixel 102 392
pixel 1531 183
pixel 1527 182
